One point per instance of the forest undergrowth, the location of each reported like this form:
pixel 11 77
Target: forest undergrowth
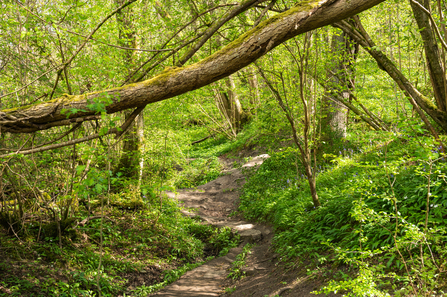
pixel 380 230
pixel 353 115
pixel 109 236
pixel 138 247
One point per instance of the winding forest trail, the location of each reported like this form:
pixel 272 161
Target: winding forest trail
pixel 213 203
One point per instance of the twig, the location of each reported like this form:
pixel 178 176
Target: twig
pixel 64 65
pixel 273 9
pixel 167 42
pixel 46 143
pixel 160 61
pixel 203 139
pixel 27 85
pixel 210 32
pixel 121 47
pixel 269 7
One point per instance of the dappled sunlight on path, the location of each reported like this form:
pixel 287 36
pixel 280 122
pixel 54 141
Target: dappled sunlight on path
pixel 213 203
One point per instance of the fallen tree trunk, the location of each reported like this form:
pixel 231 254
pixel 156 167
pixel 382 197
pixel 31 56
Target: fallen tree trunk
pixel 68 109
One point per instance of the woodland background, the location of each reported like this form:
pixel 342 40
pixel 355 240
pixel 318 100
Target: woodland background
pixel 354 116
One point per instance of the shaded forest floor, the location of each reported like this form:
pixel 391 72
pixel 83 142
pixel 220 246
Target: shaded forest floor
pixel 249 269
pixel 176 238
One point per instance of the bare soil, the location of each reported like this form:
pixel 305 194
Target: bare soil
pixel 215 203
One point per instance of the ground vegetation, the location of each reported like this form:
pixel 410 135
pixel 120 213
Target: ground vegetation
pixel 109 107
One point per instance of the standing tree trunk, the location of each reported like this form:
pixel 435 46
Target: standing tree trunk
pixel 255 99
pixel 432 53
pixel 341 72
pixel 130 164
pixel 235 104
pixel 229 105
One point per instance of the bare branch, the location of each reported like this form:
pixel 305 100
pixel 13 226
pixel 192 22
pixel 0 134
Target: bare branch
pixel 210 32
pixel 121 47
pixel 269 7
pixel 118 131
pixel 76 126
pixel 166 43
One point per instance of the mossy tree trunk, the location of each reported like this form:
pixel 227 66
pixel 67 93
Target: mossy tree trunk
pixel 249 47
pixel 341 82
pixel 130 161
pixel 230 106
pixel 432 53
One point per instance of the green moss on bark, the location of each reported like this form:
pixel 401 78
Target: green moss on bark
pixel 164 76
pixel 65 98
pixel 302 6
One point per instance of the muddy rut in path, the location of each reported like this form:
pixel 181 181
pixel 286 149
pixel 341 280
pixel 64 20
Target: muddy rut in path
pixel 214 202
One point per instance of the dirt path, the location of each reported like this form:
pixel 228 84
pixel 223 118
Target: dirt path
pixel 214 202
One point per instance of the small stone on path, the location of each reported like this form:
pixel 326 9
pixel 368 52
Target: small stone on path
pixel 251 235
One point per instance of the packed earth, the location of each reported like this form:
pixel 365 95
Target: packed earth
pixel 264 275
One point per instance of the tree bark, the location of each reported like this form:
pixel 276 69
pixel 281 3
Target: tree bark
pixel 175 81
pixel 230 106
pixel 343 51
pixel 362 37
pixel 432 54
pixel 130 161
